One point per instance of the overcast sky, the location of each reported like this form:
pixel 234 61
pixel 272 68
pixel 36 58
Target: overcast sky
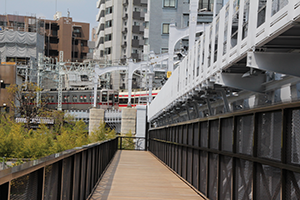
pixel 80 10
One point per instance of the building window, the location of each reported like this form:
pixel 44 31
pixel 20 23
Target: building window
pixel 108 10
pixel 164 50
pixel 165 28
pixel 74 98
pixel 208 4
pixel 108 37
pixel 107 51
pixel 169 3
pixel 108 24
pixel 135 37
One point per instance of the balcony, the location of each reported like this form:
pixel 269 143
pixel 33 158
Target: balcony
pixel 142 15
pixel 98 3
pixel 84 49
pixel 140 2
pixel 135 56
pixel 142 28
pixel 135 43
pixel 124 44
pixel 141 43
pixel 98 16
pixel 124 30
pixel 125 16
pixel 136 15
pixel 136 29
pixel 77 34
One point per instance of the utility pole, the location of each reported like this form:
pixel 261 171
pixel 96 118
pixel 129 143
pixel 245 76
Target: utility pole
pixel 60 73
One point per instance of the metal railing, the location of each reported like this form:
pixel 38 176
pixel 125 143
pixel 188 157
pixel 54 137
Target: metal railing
pixel 240 27
pixel 132 143
pixel 71 174
pixel 252 154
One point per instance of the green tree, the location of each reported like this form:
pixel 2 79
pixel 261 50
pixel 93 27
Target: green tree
pixel 128 142
pixel 23 99
pixel 102 133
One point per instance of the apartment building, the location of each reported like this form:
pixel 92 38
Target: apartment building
pixel 162 13
pixel 63 34
pixel 121 28
pixel 120 34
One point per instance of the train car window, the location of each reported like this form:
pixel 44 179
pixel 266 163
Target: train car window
pixel 66 98
pixel 74 98
pixel 52 99
pixel 110 97
pixel 84 98
pixel 116 97
pixel 104 96
pixel 123 101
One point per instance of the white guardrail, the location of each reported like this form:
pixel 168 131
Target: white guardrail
pixel 240 26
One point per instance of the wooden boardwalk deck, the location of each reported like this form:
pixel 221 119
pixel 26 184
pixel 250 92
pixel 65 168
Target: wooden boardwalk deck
pixel 139 175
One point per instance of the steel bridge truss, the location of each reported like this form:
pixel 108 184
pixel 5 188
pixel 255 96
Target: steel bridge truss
pixel 246 58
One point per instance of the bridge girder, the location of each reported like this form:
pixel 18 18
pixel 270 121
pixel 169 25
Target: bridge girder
pixel 284 63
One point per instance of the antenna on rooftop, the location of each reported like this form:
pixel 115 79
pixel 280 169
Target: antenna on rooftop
pixel 68 13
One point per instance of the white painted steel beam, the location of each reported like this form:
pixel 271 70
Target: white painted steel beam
pixel 284 63
pixel 253 83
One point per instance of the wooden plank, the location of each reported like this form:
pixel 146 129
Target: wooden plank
pixel 139 175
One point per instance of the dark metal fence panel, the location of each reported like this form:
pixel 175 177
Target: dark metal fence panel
pixel 226 134
pixel 68 175
pixel 267 182
pixel 245 127
pixel 26 187
pixel 52 181
pixel 243 179
pixel 269 135
pixel 294 140
pixel 67 178
pixel 292 186
pixel 203 172
pixel 204 134
pixel 76 182
pixel 225 178
pixel 214 134
pixel 246 155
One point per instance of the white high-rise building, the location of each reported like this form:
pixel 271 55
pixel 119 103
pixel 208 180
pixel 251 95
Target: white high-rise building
pixel 120 33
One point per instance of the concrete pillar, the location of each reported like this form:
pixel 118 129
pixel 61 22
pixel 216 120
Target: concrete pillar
pixel 96 117
pixel 128 121
pixel 141 120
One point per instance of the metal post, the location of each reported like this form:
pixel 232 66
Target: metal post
pixel 59 100
pixel 40 67
pixel 120 143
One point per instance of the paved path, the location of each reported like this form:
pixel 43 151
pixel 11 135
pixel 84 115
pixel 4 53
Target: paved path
pixel 135 175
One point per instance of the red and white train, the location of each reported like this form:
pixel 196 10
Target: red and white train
pixel 83 99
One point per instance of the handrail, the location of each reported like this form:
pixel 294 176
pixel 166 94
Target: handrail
pixel 34 179
pixel 219 47
pixel 251 154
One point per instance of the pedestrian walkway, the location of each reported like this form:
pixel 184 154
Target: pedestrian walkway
pixel 139 175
